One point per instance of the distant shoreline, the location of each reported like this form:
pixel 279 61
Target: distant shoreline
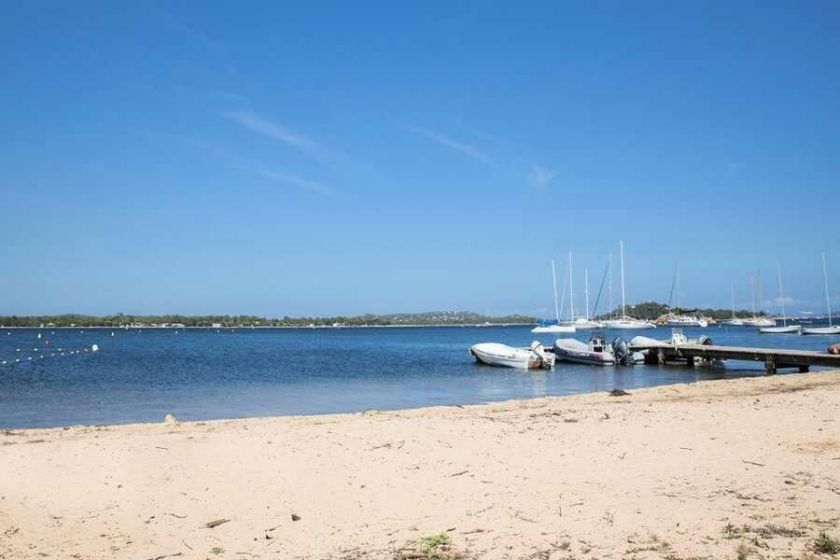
pixel 267 327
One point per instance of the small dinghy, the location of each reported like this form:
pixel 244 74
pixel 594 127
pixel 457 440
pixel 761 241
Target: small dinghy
pixel 502 355
pixel 596 352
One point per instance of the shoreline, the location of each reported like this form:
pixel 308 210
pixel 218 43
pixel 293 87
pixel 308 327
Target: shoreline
pixel 422 411
pixel 682 470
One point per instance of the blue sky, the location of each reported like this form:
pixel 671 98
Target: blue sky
pixel 351 157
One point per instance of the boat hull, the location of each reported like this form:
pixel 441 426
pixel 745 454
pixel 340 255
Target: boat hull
pixel 687 323
pixel 573 351
pixel 502 355
pixel 822 330
pixel 623 324
pixel 761 323
pixel 584 324
pixel 556 329
pixel 781 330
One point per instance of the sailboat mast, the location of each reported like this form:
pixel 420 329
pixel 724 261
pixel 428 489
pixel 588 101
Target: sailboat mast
pixel 733 300
pixel 827 298
pixel 760 291
pixel 554 283
pixel 571 291
pixel 586 290
pixel 678 286
pixel 609 268
pixel 752 288
pixel 782 294
pixel 623 299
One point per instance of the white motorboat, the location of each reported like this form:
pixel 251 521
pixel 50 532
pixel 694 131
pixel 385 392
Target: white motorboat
pixel 596 352
pixel 553 329
pixel 495 354
pixel 734 322
pixel 686 321
pixel 680 320
pixel 831 329
pixel 628 323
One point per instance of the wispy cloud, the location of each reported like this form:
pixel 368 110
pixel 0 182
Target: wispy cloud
pixel 235 161
pixel 260 125
pixel 541 176
pixel 466 149
pixel 292 180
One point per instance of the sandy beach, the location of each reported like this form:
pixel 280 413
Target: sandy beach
pixel 720 469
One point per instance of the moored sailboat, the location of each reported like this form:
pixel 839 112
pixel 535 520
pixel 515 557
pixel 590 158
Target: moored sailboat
pixel 625 322
pixel 831 328
pixel 555 327
pixel 784 329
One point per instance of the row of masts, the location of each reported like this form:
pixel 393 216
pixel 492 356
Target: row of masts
pixel 560 304
pixel 755 282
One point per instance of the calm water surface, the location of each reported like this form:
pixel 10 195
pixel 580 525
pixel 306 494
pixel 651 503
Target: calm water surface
pixel 140 375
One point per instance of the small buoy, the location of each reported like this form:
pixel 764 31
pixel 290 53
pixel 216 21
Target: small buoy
pixel 39 336
pixel 94 348
pixel 112 333
pixel 17 350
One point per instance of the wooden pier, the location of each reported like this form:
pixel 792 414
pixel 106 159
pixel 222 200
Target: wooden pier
pixel 773 358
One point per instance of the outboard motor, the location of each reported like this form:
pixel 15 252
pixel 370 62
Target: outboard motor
pixel 539 350
pixel 705 341
pixel 622 353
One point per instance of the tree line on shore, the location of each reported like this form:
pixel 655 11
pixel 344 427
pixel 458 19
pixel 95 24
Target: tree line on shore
pixel 645 310
pixel 396 319
pixel 651 310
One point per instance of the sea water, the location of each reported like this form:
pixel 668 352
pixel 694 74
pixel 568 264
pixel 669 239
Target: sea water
pixel 139 375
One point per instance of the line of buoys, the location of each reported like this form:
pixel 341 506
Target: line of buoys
pixel 41 354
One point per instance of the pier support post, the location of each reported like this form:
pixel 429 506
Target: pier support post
pixel 689 361
pixel 804 369
pixel 660 357
pixel 770 364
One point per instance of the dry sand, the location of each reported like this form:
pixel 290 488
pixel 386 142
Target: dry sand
pixel 703 470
